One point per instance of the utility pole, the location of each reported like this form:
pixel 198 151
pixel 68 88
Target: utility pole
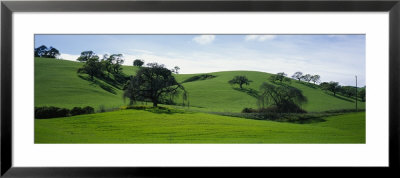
pixel 356 94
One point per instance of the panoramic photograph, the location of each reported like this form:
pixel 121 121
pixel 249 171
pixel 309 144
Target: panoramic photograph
pixel 199 88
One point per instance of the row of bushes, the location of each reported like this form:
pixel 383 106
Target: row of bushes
pixel 274 109
pixel 300 118
pixel 46 112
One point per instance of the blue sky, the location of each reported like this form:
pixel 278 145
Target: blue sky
pixel 333 57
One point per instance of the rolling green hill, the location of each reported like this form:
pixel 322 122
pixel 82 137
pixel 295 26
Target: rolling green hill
pixel 58 84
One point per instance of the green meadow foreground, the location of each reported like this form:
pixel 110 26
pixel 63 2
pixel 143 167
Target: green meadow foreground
pixel 137 126
pixel 58 84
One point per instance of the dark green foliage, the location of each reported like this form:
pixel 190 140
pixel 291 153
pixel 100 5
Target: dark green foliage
pixel 116 61
pixel 306 78
pixel 348 91
pixel 299 118
pixel 334 87
pixel 199 77
pixel 361 93
pixel 40 51
pixel 240 80
pixel 175 70
pixel 282 99
pixel 297 75
pixel 157 109
pixel 249 110
pixel 50 112
pixel 138 62
pixel 86 55
pixel 154 83
pixel 93 67
pixel 43 51
pixel 79 111
pixel 54 112
pixel 280 77
pixel 315 78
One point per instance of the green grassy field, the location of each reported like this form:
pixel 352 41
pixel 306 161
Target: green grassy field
pixel 58 84
pixel 137 126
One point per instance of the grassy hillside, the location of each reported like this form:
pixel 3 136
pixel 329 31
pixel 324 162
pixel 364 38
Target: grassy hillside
pixel 217 95
pixel 136 126
pixel 57 84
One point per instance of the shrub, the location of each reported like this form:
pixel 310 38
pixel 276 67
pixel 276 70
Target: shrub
pixel 88 110
pixel 78 110
pixel 50 112
pixel 249 110
pixel 46 112
pixel 138 107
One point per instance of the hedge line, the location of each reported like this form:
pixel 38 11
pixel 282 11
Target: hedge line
pixel 46 112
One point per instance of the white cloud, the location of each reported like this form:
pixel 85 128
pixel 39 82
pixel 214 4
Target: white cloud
pixel 259 37
pixel 204 39
pixel 70 57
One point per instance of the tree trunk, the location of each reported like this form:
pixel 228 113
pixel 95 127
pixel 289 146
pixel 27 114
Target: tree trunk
pixel 240 86
pixel 154 104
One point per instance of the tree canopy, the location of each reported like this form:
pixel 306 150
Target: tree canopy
pixel 43 51
pixel 240 80
pixel 176 70
pixel 361 93
pixel 93 67
pixel 297 75
pixel 334 87
pixel 306 77
pixel 283 97
pixel 315 78
pixel 153 83
pixel 138 62
pixel 281 77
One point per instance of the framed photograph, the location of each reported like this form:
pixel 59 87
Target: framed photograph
pixel 161 88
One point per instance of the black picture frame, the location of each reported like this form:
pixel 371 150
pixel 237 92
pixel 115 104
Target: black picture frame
pixel 8 7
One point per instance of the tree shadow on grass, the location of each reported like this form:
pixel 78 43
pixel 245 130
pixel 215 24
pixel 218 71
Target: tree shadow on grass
pixel 94 81
pixel 157 110
pixel 249 91
pixel 341 97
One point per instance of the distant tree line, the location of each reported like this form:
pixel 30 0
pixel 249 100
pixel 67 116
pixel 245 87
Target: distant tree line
pixel 43 51
pixel 306 78
pixel 332 86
